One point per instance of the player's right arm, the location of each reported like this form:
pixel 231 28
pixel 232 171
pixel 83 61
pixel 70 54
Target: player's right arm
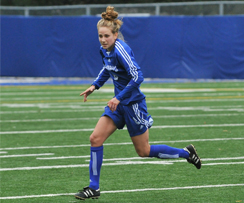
pixel 102 77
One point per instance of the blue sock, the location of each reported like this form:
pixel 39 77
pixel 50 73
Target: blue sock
pixel 95 166
pixel 167 152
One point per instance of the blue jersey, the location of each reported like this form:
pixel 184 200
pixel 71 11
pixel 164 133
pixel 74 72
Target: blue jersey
pixel 121 66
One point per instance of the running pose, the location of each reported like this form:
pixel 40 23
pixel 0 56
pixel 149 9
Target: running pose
pixel 128 106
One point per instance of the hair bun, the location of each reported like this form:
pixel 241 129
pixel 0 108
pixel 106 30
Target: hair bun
pixel 110 14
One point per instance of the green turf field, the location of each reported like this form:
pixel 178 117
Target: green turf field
pixel 45 145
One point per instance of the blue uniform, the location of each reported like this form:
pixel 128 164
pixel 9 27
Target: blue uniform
pixel 120 65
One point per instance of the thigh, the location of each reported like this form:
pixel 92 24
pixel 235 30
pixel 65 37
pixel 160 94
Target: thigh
pixel 104 128
pixel 141 144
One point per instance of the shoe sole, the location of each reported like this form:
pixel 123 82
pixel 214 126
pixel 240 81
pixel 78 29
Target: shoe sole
pixel 81 198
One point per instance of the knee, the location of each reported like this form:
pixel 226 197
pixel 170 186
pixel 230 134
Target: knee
pixel 95 141
pixel 143 152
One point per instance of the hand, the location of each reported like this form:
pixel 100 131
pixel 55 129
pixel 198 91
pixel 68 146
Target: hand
pixel 87 92
pixel 113 103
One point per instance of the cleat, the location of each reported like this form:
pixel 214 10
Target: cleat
pixel 87 193
pixel 193 157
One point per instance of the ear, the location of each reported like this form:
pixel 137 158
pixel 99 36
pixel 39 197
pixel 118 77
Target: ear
pixel 116 35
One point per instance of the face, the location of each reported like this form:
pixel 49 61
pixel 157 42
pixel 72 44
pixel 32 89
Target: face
pixel 107 38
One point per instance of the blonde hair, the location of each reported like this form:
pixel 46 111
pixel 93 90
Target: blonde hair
pixel 110 20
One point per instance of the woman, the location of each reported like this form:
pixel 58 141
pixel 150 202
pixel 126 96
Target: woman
pixel 127 107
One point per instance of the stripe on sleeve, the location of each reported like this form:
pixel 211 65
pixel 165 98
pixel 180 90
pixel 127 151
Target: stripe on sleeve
pixel 99 74
pixel 127 58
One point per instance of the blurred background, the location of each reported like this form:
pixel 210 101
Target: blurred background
pixel 170 39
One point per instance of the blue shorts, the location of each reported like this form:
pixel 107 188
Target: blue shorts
pixel 134 116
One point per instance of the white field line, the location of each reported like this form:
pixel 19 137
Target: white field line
pixel 79 166
pixel 192 100
pixel 42 98
pixel 76 93
pixel 57 106
pixel 111 90
pixel 73 92
pixel 77 108
pixel 91 129
pixel 173 161
pixel 107 164
pixel 126 191
pixel 100 109
pixel 51 111
pixel 103 103
pixel 26 155
pixel 135 158
pixel 63 157
pixel 2 152
pixel 49 120
pixel 222 163
pixel 96 118
pixel 124 143
pixel 104 97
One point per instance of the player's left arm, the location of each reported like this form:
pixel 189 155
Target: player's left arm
pixel 127 60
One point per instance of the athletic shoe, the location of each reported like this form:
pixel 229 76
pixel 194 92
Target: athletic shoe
pixel 87 193
pixel 193 157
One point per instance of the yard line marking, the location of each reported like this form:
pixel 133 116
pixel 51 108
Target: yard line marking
pixel 91 129
pixel 26 155
pixel 194 126
pixel 79 110
pixel 136 158
pixel 203 159
pixel 80 165
pixel 96 118
pixel 152 100
pixel 45 131
pixel 181 99
pixel 48 120
pixel 38 93
pixel 75 92
pixel 48 106
pixel 43 167
pixel 123 143
pixel 194 100
pixel 50 111
pixel 174 188
pixel 200 108
pixel 119 163
pixel 133 190
pixel 63 157
pixel 225 158
pixel 222 163
pixel 198 115
pixel 2 152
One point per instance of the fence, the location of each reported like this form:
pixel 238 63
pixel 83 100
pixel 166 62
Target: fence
pixel 158 9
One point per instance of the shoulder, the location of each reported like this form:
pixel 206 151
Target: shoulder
pixel 122 47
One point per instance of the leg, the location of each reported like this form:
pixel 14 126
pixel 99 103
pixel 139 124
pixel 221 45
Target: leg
pixel 143 149
pixel 141 143
pixel 104 128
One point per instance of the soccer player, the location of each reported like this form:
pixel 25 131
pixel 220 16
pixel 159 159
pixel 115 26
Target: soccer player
pixel 128 106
